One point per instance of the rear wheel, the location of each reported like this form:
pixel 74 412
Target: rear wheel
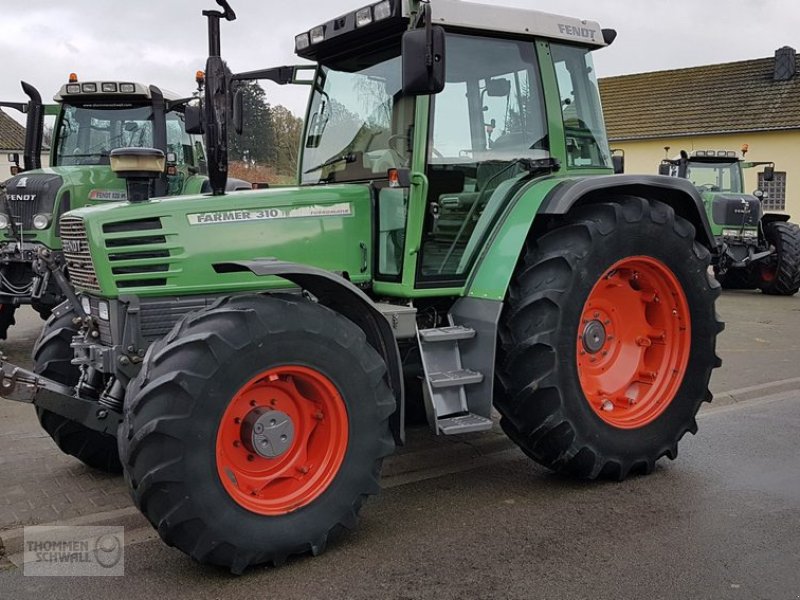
pixel 6 319
pixel 255 429
pixel 780 275
pixel 608 340
pixel 52 356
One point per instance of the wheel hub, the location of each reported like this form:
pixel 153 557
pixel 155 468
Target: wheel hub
pixel 267 432
pixel 594 337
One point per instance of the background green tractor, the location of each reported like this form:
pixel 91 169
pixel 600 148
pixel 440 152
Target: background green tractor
pixel 760 250
pixel 92 119
pixel 247 359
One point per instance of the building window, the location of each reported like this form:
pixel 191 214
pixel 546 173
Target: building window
pixel 774 190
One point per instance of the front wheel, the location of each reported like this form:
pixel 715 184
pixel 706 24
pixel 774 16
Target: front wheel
pixel 608 340
pixel 255 429
pixel 6 319
pixel 52 358
pixel 780 275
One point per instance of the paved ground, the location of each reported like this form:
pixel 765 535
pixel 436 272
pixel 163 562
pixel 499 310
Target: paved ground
pixel 473 518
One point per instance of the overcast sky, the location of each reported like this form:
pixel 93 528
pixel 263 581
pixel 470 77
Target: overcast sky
pixel 164 41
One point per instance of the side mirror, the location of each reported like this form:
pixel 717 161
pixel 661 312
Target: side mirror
pixel 13 157
pixel 769 173
pixel 238 112
pixel 617 160
pixel 193 120
pixel 423 61
pixel 498 88
pixel 664 169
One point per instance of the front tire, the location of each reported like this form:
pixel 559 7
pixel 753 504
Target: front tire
pixel 7 319
pixel 608 340
pixel 780 276
pixel 190 436
pixel 52 356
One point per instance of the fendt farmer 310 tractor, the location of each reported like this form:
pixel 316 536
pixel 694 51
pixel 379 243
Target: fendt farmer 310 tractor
pixel 92 119
pixel 246 359
pixel 759 250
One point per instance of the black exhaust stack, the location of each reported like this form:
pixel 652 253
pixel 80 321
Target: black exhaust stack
pixel 34 128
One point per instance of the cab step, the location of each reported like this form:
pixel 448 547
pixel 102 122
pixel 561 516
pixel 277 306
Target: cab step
pixel 463 424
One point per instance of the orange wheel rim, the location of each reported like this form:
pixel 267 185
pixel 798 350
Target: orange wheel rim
pixel 633 343
pixel 282 440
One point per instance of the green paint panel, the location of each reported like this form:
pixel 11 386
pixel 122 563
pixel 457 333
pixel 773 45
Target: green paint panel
pixel 329 227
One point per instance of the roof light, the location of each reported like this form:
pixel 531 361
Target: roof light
pixel 301 42
pixel 89 88
pixel 383 10
pixel 199 77
pixel 317 34
pixel 127 88
pixel 73 88
pixel 73 77
pixel 700 153
pixel 710 153
pixel 364 17
pixel 722 153
pixel 108 87
pixel 732 153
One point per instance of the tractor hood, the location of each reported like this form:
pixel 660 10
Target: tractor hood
pixel 733 210
pixel 178 246
pixel 53 191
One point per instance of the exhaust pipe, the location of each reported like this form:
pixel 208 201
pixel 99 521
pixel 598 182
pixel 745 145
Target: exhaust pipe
pixel 34 128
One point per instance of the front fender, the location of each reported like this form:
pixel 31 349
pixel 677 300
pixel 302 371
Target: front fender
pixel 342 296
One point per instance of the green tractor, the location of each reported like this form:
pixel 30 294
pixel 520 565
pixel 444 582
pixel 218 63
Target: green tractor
pixel 247 359
pixel 92 119
pixel 760 250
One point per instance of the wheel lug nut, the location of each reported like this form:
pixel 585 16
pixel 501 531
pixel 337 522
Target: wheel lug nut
pixel 302 470
pixel 250 457
pixel 236 443
pixel 252 402
pixel 319 416
pixel 608 406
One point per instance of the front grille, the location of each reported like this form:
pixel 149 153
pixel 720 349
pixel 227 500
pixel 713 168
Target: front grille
pixel 29 195
pixel 76 251
pixel 134 253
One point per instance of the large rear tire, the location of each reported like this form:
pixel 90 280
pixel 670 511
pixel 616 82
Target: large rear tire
pixel 207 391
pixel 608 340
pixel 780 276
pixel 52 356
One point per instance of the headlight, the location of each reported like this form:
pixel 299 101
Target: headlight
pixel 102 310
pixel 383 10
pixel 74 88
pixel 317 34
pixel 89 88
pixel 41 221
pixel 127 88
pixel 4 222
pixel 109 87
pixel 86 305
pixel 301 42
pixel 364 16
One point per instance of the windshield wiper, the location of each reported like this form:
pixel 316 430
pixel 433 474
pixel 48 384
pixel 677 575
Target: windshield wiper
pixel 346 158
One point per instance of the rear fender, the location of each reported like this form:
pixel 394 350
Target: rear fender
pixel 542 200
pixel 773 218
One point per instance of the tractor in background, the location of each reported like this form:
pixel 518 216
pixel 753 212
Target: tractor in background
pixel 92 119
pixel 761 250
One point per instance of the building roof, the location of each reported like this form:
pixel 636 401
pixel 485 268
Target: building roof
pixel 725 98
pixel 12 134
